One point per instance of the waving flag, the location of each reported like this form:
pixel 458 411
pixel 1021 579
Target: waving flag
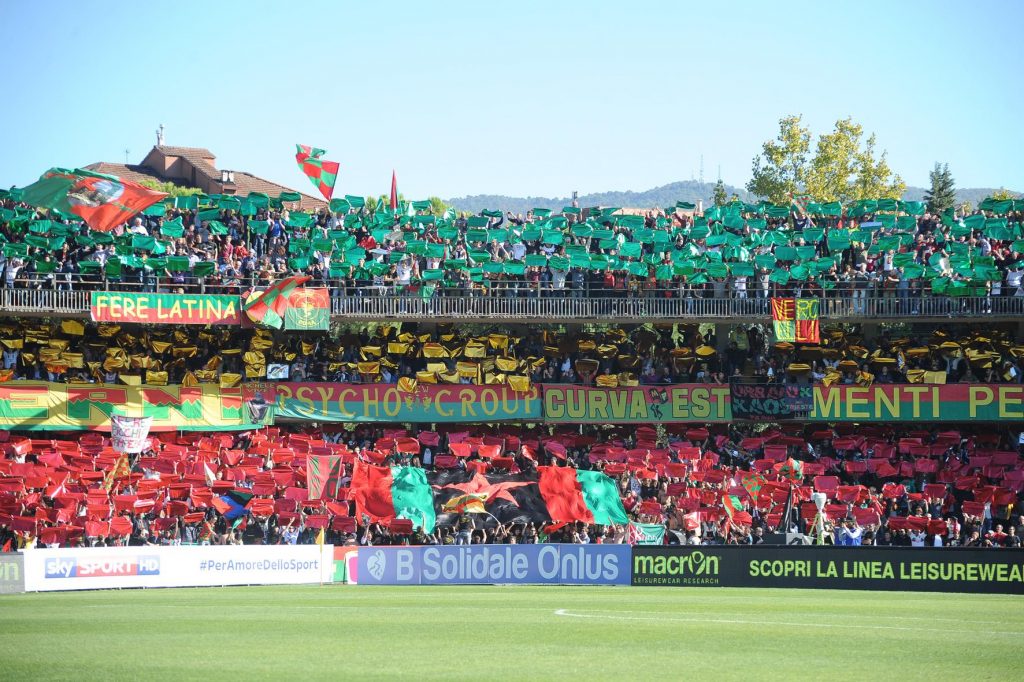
pixel 102 201
pixel 268 307
pixel 322 173
pixel 233 505
pixel 471 503
pixel 796 320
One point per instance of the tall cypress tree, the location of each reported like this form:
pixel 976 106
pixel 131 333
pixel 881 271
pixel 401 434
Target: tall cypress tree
pixel 942 193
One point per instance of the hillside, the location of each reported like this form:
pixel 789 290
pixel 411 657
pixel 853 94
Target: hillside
pixel 658 197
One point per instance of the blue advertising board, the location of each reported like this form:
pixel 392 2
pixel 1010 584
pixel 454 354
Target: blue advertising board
pixel 496 564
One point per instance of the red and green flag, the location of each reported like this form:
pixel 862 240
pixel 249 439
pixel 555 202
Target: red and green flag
pixel 322 173
pixel 102 201
pixel 796 320
pixel 574 495
pixel 268 307
pixel 323 476
pixel 398 492
pixel 732 504
pixel 752 482
pixel 792 469
pixel 308 309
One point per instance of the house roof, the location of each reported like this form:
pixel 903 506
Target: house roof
pixel 186 152
pixel 247 182
pixel 130 172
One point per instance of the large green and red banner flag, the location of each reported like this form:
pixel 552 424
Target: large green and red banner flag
pixel 268 307
pixel 308 309
pixel 323 476
pixel 796 320
pixel 322 173
pixel 560 494
pixel 102 201
pixel 398 492
pixel 576 495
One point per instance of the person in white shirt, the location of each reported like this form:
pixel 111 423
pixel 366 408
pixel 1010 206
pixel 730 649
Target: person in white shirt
pixel 917 538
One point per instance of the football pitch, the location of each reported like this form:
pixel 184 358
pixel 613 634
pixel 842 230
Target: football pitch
pixel 479 632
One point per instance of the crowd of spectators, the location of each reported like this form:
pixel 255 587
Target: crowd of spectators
pixel 885 248
pixel 885 486
pixel 72 350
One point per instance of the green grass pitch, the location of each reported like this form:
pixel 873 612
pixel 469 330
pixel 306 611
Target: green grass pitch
pixel 479 632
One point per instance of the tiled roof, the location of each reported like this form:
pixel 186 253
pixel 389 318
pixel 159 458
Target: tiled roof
pixel 130 172
pixel 246 182
pixel 187 152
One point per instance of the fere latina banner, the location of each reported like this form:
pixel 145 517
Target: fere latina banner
pixel 636 405
pixel 552 564
pixel 42 406
pixel 917 569
pixel 385 402
pixel 152 308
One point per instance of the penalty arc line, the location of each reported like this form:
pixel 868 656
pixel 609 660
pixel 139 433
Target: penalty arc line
pixel 735 621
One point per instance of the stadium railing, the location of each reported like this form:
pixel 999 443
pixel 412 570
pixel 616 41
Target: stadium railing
pixel 517 300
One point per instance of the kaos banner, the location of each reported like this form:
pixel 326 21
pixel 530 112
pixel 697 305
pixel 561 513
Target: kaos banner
pixel 495 564
pixel 385 402
pixel 862 568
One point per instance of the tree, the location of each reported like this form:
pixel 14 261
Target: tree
pixel 844 166
pixel 719 196
pixel 782 171
pixel 170 188
pixel 437 206
pixel 941 195
pixel 844 170
pixel 371 204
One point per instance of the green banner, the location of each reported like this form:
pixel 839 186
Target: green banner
pixel 386 403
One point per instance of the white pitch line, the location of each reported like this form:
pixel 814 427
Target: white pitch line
pixel 736 621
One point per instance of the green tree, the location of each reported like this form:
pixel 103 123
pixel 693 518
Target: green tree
pixel 780 169
pixel 1002 194
pixel 719 196
pixel 941 195
pixel 437 206
pixel 844 166
pixel 170 188
pixel 371 204
pixel 845 169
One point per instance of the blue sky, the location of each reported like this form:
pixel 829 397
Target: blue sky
pixel 523 98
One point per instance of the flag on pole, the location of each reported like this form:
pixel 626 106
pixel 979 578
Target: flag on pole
pixel 322 173
pixel 102 201
pixel 394 191
pixel 732 505
pixel 268 307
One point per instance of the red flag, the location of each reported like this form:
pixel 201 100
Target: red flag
pixel 394 191
pixel 102 201
pixel 563 494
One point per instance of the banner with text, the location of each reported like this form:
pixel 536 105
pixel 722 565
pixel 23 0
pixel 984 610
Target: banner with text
pixel 769 402
pixel 153 308
pixel 717 403
pixel 42 406
pixel 495 564
pixel 861 568
pixel 93 568
pixel 636 405
pixel 385 402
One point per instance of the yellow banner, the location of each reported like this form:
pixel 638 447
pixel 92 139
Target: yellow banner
pixel 37 405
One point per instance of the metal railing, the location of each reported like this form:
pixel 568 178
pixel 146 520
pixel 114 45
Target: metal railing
pixel 374 304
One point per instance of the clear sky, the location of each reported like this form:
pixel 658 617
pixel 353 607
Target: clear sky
pixel 517 98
